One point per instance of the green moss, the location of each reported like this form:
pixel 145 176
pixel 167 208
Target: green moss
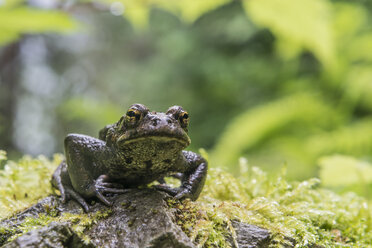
pixel 303 211
pixel 204 226
pixel 24 182
pixel 78 223
pixel 5 233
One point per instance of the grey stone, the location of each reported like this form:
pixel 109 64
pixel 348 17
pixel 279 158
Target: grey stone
pixel 55 235
pixel 249 236
pixel 140 219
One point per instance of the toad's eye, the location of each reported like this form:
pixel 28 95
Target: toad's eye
pixel 180 115
pixel 133 115
pixel 184 119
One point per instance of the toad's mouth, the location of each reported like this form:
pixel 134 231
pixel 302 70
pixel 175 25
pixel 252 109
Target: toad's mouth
pixel 161 138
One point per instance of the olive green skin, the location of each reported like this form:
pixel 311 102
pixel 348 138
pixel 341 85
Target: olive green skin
pixel 140 148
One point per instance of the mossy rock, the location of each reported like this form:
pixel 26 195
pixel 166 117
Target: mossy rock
pixel 301 214
pixel 140 218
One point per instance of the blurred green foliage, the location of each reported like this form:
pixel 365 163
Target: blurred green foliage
pixel 338 166
pixel 188 10
pixel 17 19
pixel 275 81
pixel 345 173
pixel 305 24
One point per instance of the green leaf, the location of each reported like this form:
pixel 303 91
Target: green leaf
pixel 11 3
pixel 20 20
pixel 252 127
pixel 298 25
pixel 357 88
pixel 188 10
pixel 192 9
pixel 354 139
pixel 339 170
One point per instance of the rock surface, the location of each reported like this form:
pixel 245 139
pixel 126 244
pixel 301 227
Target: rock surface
pixel 53 235
pixel 250 236
pixel 139 218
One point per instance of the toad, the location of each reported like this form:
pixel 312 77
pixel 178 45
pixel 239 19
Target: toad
pixel 142 147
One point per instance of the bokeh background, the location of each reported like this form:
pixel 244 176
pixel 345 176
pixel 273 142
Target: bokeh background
pixel 279 83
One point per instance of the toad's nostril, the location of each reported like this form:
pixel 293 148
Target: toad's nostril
pixel 155 122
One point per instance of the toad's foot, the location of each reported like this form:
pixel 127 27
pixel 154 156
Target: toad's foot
pixel 61 181
pixel 178 193
pixel 69 193
pixel 101 187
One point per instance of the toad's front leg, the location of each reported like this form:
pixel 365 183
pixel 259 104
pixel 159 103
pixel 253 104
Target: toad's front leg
pixel 192 180
pixel 83 174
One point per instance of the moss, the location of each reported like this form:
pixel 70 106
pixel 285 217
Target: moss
pixel 5 233
pixel 24 182
pixel 303 211
pixel 78 223
pixel 204 227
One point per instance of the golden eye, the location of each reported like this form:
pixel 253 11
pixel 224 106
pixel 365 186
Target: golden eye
pixel 133 115
pixel 184 118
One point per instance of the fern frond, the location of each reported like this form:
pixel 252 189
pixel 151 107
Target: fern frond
pixel 255 125
pixel 302 152
pixel 355 139
pixel 357 88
